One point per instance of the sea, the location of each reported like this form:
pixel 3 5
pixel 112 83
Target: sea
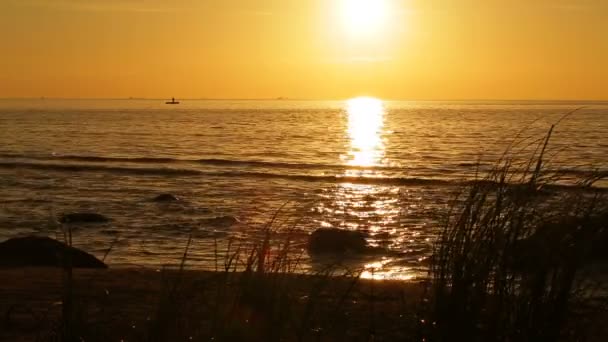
pixel 389 169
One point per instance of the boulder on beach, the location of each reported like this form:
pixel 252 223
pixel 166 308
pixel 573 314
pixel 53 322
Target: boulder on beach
pixel 34 251
pixel 336 241
pixel 83 218
pixel 166 198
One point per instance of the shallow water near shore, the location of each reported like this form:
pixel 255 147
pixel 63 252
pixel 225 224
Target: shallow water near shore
pixel 387 168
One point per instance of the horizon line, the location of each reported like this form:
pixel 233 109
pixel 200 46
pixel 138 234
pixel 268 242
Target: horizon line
pixel 133 98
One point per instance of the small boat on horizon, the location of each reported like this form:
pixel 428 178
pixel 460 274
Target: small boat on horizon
pixel 172 102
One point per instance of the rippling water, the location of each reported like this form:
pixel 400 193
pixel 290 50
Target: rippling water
pixel 387 168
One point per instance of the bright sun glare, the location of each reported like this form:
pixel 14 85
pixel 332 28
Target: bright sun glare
pixel 364 17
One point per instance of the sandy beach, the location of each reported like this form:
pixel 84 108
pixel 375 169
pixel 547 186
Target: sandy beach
pixel 122 304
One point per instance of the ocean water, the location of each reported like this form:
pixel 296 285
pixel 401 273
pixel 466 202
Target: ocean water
pixel 387 168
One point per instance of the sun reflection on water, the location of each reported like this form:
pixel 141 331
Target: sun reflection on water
pixel 365 202
pixel 378 270
pixel 365 126
pixel 372 209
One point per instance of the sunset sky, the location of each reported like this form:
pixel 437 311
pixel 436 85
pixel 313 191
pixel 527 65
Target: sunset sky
pixel 325 49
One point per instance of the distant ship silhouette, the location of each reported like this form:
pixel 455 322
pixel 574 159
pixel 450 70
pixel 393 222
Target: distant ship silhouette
pixel 172 102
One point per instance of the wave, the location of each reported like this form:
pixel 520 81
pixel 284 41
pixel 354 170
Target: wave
pixel 204 161
pixel 394 181
pixel 482 167
pixel 94 168
pixel 230 174
pixel 89 158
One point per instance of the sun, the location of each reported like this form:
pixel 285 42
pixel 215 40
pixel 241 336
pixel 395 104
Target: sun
pixel 364 17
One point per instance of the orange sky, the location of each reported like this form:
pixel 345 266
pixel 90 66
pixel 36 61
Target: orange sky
pixel 423 49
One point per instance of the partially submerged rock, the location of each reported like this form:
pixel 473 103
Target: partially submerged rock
pixel 564 240
pixel 336 241
pixel 34 251
pixel 83 218
pixel 166 198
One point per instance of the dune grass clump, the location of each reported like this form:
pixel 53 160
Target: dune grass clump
pixel 256 294
pixel 509 261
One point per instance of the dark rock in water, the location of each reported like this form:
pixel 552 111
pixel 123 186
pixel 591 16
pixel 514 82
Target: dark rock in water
pixel 336 241
pixel 43 252
pixel 222 221
pixel 83 218
pixel 166 198
pixel 565 240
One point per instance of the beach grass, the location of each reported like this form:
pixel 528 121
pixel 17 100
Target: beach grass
pixel 509 262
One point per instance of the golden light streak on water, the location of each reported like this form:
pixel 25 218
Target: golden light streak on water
pixel 365 127
pixel 378 271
